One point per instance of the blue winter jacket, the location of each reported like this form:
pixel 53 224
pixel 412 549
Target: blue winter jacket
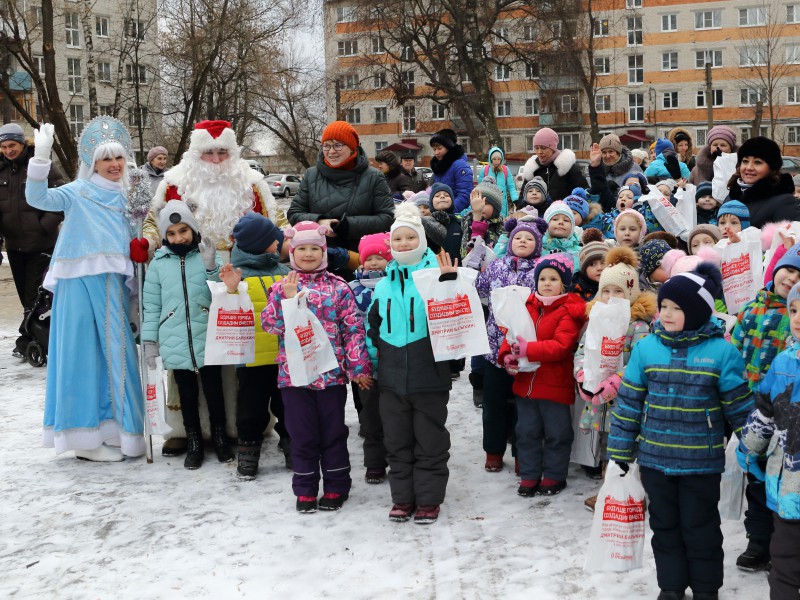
pixel 454 170
pixel 176 302
pixel 774 428
pixel 658 168
pixel 677 392
pixel 504 179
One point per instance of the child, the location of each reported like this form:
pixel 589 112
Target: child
pixel 707 205
pixel 651 271
pixel 579 207
pixel 422 200
pixel 760 333
pixel 535 194
pixel 666 187
pixel 620 279
pixel 776 404
pixel 498 170
pixel 414 388
pixel 175 294
pixel 703 235
pixel 629 228
pixel 315 413
pixel 255 258
pixel 544 397
pixel 561 236
pixel 516 268
pixel 484 219
pixel 592 260
pixel 680 386
pixel 733 217
pixel 375 254
pixel 442 211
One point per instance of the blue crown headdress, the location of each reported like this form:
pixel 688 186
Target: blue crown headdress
pixel 102 130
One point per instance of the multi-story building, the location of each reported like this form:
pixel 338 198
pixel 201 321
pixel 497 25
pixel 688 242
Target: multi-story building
pixel 120 48
pixel 650 58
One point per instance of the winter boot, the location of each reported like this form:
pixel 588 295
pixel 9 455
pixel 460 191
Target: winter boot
pixel 102 453
pixel 755 558
pixel 306 504
pixel 705 595
pixel 174 447
pixel 426 515
pixel 550 487
pixel 401 513
pixel 332 501
pixel 222 445
pixel 249 453
pixel 527 488
pixel 494 463
pixel 593 472
pixel 285 446
pixel 194 449
pixel 670 595
pixel 476 380
pixel 375 476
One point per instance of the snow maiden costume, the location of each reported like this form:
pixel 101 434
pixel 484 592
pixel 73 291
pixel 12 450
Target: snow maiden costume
pixel 94 398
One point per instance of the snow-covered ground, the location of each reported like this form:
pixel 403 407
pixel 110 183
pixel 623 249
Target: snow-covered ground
pixel 73 529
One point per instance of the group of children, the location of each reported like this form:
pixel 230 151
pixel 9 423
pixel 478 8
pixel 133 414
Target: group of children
pixel 685 385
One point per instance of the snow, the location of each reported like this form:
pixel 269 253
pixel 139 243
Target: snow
pixel 75 529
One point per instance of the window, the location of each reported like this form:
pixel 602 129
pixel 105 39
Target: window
pixel 602 103
pixel 569 141
pixel 669 22
pixel 793 134
pixel 529 143
pixel 793 13
pixel 504 108
pixel 349 82
pixel 76 119
pixel 353 116
pixel 505 143
pixel 529 33
pixel 136 73
pixel 752 57
pixel 601 27
pixel 669 100
pixel 634 31
pixel 751 96
pixel 464 143
pixel 793 94
pixel 636 69
pixel 501 35
pixel 380 146
pixel 707 56
pixel 744 133
pixel 39 62
pixel 347 48
pixel 438 111
pixel 135 118
pixel 700 135
pixel 345 14
pixel 74 75
pixel 569 103
pixel 408 81
pixel 101 26
pixel 669 61
pixel 708 19
pixel 531 107
pixel 633 3
pixel 409 119
pixel 134 29
pixel 379 80
pixel 502 73
pixel 381 114
pixel 636 108
pixel 105 110
pixel 749 17
pixel 72 24
pixel 104 72
pixel 716 98
pixel 602 65
pixel 377 45
pixel 531 70
pixel 793 54
pixel 407 54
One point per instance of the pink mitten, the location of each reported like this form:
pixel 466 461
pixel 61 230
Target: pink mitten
pixel 511 363
pixel 480 228
pixel 587 397
pixel 522 343
pixel 609 388
pixel 579 376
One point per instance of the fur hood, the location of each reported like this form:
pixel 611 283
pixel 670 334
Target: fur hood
pixel 643 309
pixel 624 165
pixel 671 137
pixel 563 162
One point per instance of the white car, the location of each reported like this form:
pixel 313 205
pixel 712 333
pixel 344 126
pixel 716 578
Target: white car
pixel 283 185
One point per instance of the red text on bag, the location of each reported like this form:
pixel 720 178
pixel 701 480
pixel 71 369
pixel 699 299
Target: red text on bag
pixel 448 308
pixel 235 318
pixel 624 511
pixel 612 346
pixel 305 335
pixel 737 266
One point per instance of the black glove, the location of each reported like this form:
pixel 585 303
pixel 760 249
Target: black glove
pixel 673 165
pixel 342 228
pixel 624 466
pixel 441 217
pixel 337 258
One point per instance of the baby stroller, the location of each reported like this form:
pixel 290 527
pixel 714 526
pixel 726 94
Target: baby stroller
pixel 37 326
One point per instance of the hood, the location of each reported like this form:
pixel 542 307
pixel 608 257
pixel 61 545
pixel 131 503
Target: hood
pixel 440 166
pixel 671 137
pixel 762 190
pixel 681 339
pixel 770 299
pixel 574 305
pixel 643 309
pixel 563 162
pixel 624 165
pixel 492 150
pixel 395 271
pixel 338 175
pixel 253 262
pixel 151 171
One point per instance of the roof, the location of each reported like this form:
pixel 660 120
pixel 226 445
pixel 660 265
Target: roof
pixel 634 136
pixel 404 145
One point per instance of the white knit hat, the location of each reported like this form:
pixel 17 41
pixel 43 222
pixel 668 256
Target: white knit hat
pixel 406 214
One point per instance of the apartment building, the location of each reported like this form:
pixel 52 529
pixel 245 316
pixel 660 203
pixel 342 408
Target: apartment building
pixel 650 58
pixel 119 40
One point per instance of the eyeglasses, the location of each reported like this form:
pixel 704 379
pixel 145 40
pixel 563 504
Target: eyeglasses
pixel 328 147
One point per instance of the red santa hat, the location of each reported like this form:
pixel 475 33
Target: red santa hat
pixel 213 135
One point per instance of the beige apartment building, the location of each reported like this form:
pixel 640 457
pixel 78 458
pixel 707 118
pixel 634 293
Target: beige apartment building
pixel 650 58
pixel 118 41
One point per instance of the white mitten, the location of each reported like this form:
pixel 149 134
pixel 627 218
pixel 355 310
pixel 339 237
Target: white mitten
pixel 209 254
pixel 43 141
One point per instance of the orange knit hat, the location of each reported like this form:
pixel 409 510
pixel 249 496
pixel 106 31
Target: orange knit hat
pixel 343 132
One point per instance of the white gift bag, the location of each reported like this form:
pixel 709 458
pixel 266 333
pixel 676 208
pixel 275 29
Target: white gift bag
pixel 724 168
pixel 616 542
pixel 455 317
pixel 605 341
pixel 793 230
pixel 231 334
pixel 671 220
pixel 155 404
pixel 513 319
pixel 309 352
pixel 741 273
pixel 686 204
pixel 732 484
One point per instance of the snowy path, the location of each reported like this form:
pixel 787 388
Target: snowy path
pixel 72 529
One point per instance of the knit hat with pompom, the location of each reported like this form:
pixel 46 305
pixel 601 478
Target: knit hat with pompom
pixel 694 292
pixel 622 271
pixel 536 227
pixel 594 248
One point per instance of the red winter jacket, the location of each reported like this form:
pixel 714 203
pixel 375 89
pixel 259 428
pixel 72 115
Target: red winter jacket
pixel 558 328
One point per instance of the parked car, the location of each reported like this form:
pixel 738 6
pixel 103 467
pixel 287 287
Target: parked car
pixel 791 165
pixel 427 173
pixel 256 167
pixel 283 185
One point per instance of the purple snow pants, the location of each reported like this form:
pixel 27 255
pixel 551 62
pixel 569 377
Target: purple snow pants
pixel 315 422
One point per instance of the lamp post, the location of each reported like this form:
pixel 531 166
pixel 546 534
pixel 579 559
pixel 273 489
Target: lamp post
pixel 653 95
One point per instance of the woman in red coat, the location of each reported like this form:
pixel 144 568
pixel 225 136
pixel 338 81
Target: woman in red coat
pixel 544 396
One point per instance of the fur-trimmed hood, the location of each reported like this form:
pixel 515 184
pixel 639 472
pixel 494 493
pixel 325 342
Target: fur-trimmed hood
pixel 671 137
pixel 644 308
pixel 563 162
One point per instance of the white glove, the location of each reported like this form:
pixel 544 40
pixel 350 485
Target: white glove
pixel 209 254
pixel 43 141
pixel 150 354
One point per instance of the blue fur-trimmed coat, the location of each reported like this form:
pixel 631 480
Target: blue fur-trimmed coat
pixel 678 391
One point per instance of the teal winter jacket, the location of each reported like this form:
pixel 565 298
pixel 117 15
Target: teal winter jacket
pixel 176 302
pixel 504 179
